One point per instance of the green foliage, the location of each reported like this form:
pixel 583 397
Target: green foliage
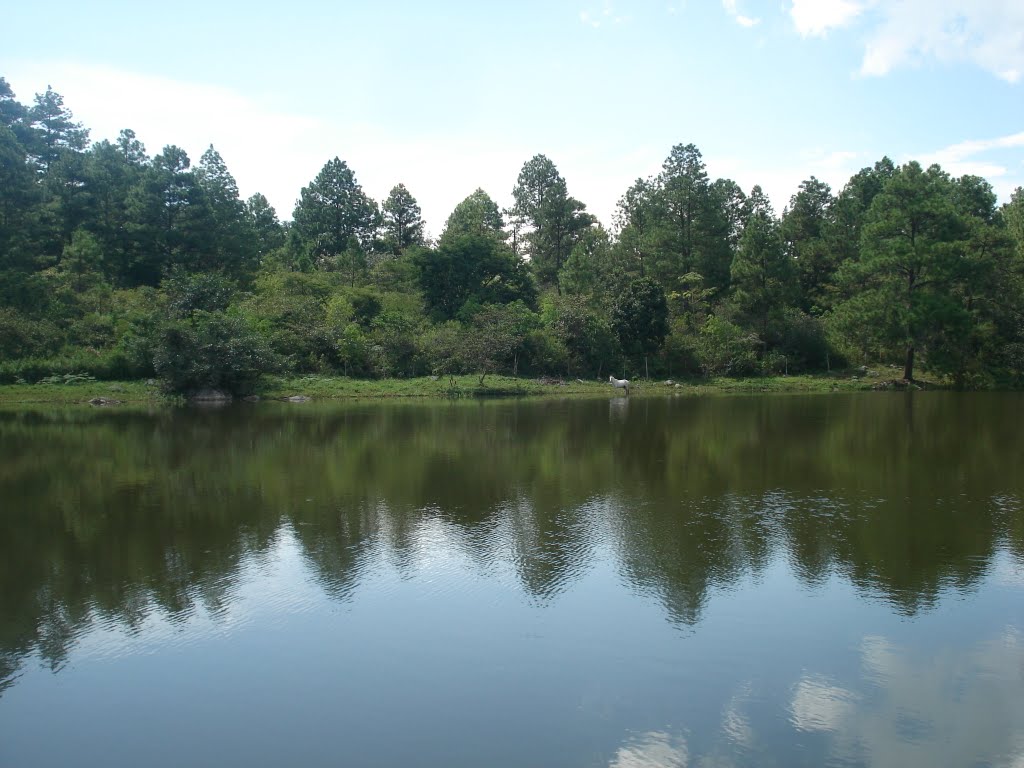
pixel 471 268
pixel 104 251
pixel 478 214
pixel 901 289
pixel 53 129
pixel 353 349
pixel 107 365
pixel 68 379
pixel 640 317
pixel 402 221
pixel 210 350
pixel 590 342
pixel 547 222
pixel 394 349
pixel 188 293
pixel 804 343
pixel 761 273
pixel 680 354
pixel 301 315
pixel 803 228
pixel 333 214
pixel 22 336
pixel 725 349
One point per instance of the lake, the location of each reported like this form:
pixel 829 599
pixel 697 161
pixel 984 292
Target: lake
pixel 632 583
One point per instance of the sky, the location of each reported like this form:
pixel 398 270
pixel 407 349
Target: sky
pixel 446 97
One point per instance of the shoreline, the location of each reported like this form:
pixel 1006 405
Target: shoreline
pixel 339 388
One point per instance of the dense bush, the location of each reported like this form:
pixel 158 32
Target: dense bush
pixel 803 345
pixel 210 350
pixel 725 349
pixel 22 336
pixel 108 365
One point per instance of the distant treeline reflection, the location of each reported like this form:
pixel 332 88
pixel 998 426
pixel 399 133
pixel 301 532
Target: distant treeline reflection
pixel 115 515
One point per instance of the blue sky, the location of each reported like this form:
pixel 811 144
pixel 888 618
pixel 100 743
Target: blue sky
pixel 450 96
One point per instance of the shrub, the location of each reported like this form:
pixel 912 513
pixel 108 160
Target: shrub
pixel 210 350
pixel 106 365
pixel 803 343
pixel 21 336
pixel 725 349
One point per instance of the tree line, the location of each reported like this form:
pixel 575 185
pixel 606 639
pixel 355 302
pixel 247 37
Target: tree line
pixel 120 264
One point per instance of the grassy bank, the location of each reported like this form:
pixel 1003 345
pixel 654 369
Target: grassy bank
pixel 340 388
pixel 335 388
pixel 82 392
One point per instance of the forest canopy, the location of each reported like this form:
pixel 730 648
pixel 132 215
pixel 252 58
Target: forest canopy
pixel 121 264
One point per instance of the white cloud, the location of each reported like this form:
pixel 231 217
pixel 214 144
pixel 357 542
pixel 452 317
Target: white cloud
pixel 732 9
pixel 819 706
pixel 267 147
pixel 654 749
pixel 780 175
pixel 814 18
pixel 987 33
pixel 903 713
pixel 271 149
pixel 975 157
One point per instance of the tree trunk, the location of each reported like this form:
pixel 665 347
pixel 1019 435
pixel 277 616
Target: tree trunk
pixel 908 366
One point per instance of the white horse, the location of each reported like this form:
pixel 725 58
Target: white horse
pixel 619 383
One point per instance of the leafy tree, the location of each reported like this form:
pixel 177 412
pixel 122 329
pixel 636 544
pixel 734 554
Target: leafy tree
pixel 1013 215
pixel 725 349
pixel 803 230
pixel 82 259
pixel 536 180
pixel 680 222
pixel 190 292
pixel 554 221
pixel 133 151
pixel 170 218
pixel 640 318
pixel 594 269
pixel 478 214
pixel 332 211
pixel 210 350
pixel 54 129
pixel 19 197
pixel 494 338
pixel 393 336
pixel 733 206
pixel 110 173
pixel 587 335
pixel 471 268
pixel 70 204
pixel 849 208
pixel 24 336
pixel 12 112
pixel 403 222
pixel 263 223
pixel 233 245
pixel 761 272
pixel 900 289
pixel 636 220
pixel 988 283
pixel 693 227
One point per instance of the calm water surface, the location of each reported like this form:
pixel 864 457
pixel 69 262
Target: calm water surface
pixel 763 581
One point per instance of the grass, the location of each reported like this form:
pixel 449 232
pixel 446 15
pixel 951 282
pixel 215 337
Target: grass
pixel 126 392
pixel 340 388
